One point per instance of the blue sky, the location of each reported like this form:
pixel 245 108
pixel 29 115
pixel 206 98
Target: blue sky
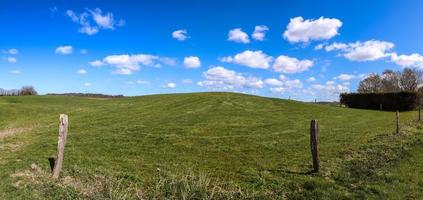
pixel 298 49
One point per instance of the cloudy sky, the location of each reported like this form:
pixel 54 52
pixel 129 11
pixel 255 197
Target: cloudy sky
pixel 298 49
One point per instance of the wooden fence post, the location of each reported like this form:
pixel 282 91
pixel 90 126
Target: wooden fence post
pixel 380 106
pixel 314 131
pixel 63 132
pixel 398 123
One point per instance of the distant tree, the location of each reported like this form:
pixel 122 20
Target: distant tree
pixel 28 90
pixel 410 80
pixel 390 81
pixel 371 84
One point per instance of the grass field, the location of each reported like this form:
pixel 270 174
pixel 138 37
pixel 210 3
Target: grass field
pixel 205 146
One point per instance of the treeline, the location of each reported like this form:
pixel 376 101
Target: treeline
pixel 86 95
pixel 400 90
pixel 408 80
pixel 25 90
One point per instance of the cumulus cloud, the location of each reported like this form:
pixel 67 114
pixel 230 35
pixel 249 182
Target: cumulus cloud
pixel 92 21
pixel 283 84
pixel 192 62
pixel 412 60
pixel 170 85
pixel 219 78
pixel 11 60
pixel 328 91
pixel 336 46
pixel 260 32
pixel 11 51
pixel 311 79
pixel 237 35
pixel 300 30
pixel 253 59
pixel 128 64
pixel 273 82
pixel 64 50
pixel 180 35
pixel 363 51
pixel 81 71
pixel 290 65
pixel 345 77
pixel 96 63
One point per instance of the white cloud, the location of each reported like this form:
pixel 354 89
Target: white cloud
pixel 128 64
pixel 64 50
pixel 277 90
pixel 97 63
pixel 11 51
pixel 368 51
pixel 11 60
pixel 81 71
pixel 311 79
pixel 192 62
pixel 330 82
pixel 273 82
pixel 412 60
pixel 330 89
pixel 363 51
pixel 300 30
pixel 260 32
pixel 180 35
pixel 87 84
pixel 253 59
pixel 170 85
pixel 15 72
pixel 290 65
pixel 336 46
pixel 293 84
pixel 105 21
pixel 93 20
pixel 219 78
pixel 283 84
pixel 345 77
pixel 84 51
pixel 319 46
pixel 237 35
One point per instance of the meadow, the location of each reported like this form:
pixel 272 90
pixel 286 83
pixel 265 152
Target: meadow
pixel 206 146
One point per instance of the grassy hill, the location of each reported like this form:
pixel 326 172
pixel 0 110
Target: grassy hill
pixel 205 145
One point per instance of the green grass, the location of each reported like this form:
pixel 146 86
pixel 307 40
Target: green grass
pixel 206 146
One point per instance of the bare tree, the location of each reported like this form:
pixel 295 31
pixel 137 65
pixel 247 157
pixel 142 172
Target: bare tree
pixel 28 90
pixel 371 84
pixel 390 81
pixel 410 80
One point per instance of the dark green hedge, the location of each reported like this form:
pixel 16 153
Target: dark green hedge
pixel 401 101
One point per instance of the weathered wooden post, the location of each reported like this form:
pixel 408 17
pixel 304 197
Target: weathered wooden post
pixel 314 131
pixel 63 132
pixel 398 123
pixel 380 106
